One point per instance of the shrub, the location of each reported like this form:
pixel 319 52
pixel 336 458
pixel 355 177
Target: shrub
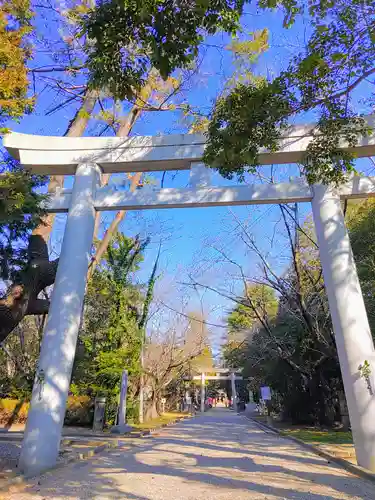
pixel 79 411
pixel 13 411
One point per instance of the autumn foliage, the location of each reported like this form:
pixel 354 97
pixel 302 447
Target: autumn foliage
pixel 15 29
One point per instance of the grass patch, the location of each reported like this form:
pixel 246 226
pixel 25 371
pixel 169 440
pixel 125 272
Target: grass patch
pixel 320 436
pixel 309 434
pixel 155 423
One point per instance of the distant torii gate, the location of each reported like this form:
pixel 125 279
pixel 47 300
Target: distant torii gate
pixel 232 377
pixel 87 158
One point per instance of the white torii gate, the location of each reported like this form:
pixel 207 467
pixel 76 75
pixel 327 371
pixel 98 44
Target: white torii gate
pixel 87 158
pixel 232 377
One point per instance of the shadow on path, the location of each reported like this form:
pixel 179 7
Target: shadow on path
pixel 215 456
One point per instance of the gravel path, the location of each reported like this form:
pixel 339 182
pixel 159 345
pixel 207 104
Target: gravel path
pixel 9 453
pixel 219 456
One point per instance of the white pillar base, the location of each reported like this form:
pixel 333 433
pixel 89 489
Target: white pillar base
pixel 41 443
pixel 349 318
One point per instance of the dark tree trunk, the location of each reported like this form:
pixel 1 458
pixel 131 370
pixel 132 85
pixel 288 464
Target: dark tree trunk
pixel 153 410
pixel 22 297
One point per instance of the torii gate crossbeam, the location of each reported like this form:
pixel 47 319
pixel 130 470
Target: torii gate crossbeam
pixel 87 158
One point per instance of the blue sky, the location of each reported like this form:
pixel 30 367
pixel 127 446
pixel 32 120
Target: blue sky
pixel 189 237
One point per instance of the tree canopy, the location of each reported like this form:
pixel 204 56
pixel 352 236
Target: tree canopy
pixel 114 63
pixel 293 349
pixel 105 54
pixel 127 38
pixel 15 51
pixel 20 204
pixel 20 212
pixel 111 337
pixel 322 80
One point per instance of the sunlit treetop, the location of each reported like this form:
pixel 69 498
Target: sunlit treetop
pixel 15 27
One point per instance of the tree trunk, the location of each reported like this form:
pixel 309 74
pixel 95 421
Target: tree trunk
pixel 76 128
pixel 22 296
pixel 153 408
pixel 112 230
pixel 125 127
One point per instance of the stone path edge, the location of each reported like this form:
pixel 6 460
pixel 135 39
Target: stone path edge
pixel 354 469
pixel 18 481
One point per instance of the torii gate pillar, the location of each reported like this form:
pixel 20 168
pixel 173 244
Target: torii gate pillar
pixel 41 443
pixel 349 318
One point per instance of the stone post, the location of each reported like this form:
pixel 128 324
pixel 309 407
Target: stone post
pixel 99 414
pixel 123 394
pixel 122 427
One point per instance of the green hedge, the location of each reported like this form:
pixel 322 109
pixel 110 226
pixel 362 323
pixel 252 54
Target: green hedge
pixel 79 411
